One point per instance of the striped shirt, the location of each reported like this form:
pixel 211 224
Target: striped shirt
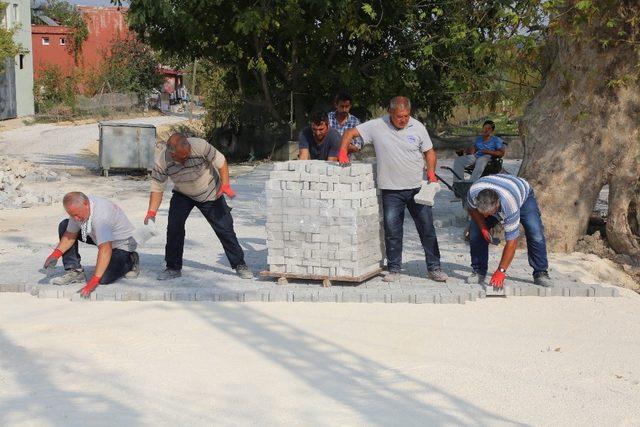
pixel 197 178
pixel 350 123
pixel 512 191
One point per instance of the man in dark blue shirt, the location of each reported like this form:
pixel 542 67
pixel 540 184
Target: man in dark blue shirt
pixel 319 141
pixel 484 147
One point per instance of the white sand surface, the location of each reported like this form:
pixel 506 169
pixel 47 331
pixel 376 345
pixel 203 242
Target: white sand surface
pixel 538 361
pixel 64 146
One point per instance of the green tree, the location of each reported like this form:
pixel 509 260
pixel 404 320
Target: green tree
pixel 310 49
pixel 129 66
pixel 53 89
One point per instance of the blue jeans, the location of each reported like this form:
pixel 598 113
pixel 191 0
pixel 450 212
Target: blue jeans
pixel 218 215
pixel 533 229
pixel 394 203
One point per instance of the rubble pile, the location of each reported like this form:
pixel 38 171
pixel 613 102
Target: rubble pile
pixel 15 175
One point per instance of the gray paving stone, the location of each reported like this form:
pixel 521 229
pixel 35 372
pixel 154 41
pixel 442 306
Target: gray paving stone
pixel 12 288
pixel 181 296
pixel 278 296
pixel 328 297
pixel 128 296
pixel 228 296
pixel 106 296
pixel 152 296
pixel 303 296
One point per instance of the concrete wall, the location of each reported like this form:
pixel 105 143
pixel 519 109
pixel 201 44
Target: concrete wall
pixel 18 17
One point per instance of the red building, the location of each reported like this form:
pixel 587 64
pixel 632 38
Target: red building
pixel 49 47
pixel 105 25
pixel 50 43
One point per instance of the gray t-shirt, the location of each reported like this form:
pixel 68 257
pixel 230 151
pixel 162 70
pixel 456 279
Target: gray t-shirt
pixel 108 224
pixel 399 152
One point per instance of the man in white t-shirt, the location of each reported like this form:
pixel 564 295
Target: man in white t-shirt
pixel 402 146
pixel 98 222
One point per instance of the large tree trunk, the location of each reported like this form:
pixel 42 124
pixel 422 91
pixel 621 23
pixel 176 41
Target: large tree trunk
pixel 581 132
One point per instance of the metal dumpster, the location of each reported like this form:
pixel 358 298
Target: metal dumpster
pixel 126 146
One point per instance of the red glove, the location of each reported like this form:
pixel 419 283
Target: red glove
pixel 89 287
pixel 497 280
pixel 343 157
pixel 226 189
pixel 151 215
pixel 431 176
pixel 52 259
pixel 486 234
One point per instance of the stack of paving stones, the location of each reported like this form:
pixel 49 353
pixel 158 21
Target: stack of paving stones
pixel 323 219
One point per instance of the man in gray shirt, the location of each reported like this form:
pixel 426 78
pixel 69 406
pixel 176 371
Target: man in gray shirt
pixel 402 146
pixel 98 222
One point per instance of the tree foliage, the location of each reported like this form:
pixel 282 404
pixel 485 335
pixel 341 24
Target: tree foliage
pixel 53 89
pixel 609 25
pixel 433 51
pixel 128 66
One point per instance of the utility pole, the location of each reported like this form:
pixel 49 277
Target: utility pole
pixel 291 121
pixel 193 88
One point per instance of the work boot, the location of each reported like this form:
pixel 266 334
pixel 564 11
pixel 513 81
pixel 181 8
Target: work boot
pixel 438 275
pixel 69 277
pixel 169 273
pixel 392 276
pixel 135 266
pixel 542 279
pixel 476 278
pixel 244 272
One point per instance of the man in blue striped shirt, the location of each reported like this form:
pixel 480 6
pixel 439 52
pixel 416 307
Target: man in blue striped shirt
pixel 511 201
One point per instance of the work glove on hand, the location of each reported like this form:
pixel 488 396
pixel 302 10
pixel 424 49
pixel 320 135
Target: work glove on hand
pixel 431 176
pixel 52 259
pixel 226 189
pixel 151 215
pixel 343 157
pixel 486 234
pixel 89 287
pixel 497 280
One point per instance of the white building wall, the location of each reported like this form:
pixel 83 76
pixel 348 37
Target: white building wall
pixel 18 17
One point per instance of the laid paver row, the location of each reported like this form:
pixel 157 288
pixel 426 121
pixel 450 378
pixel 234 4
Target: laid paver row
pixel 454 294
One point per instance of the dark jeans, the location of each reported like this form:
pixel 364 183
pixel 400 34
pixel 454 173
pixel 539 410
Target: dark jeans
pixel 119 265
pixel 217 213
pixel 533 229
pixel 394 203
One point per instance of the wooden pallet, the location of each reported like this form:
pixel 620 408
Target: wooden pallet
pixel 283 278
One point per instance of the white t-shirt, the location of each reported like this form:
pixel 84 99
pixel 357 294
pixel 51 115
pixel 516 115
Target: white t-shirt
pixel 399 152
pixel 108 224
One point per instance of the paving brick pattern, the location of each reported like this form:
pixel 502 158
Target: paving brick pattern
pixel 323 219
pixel 208 277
